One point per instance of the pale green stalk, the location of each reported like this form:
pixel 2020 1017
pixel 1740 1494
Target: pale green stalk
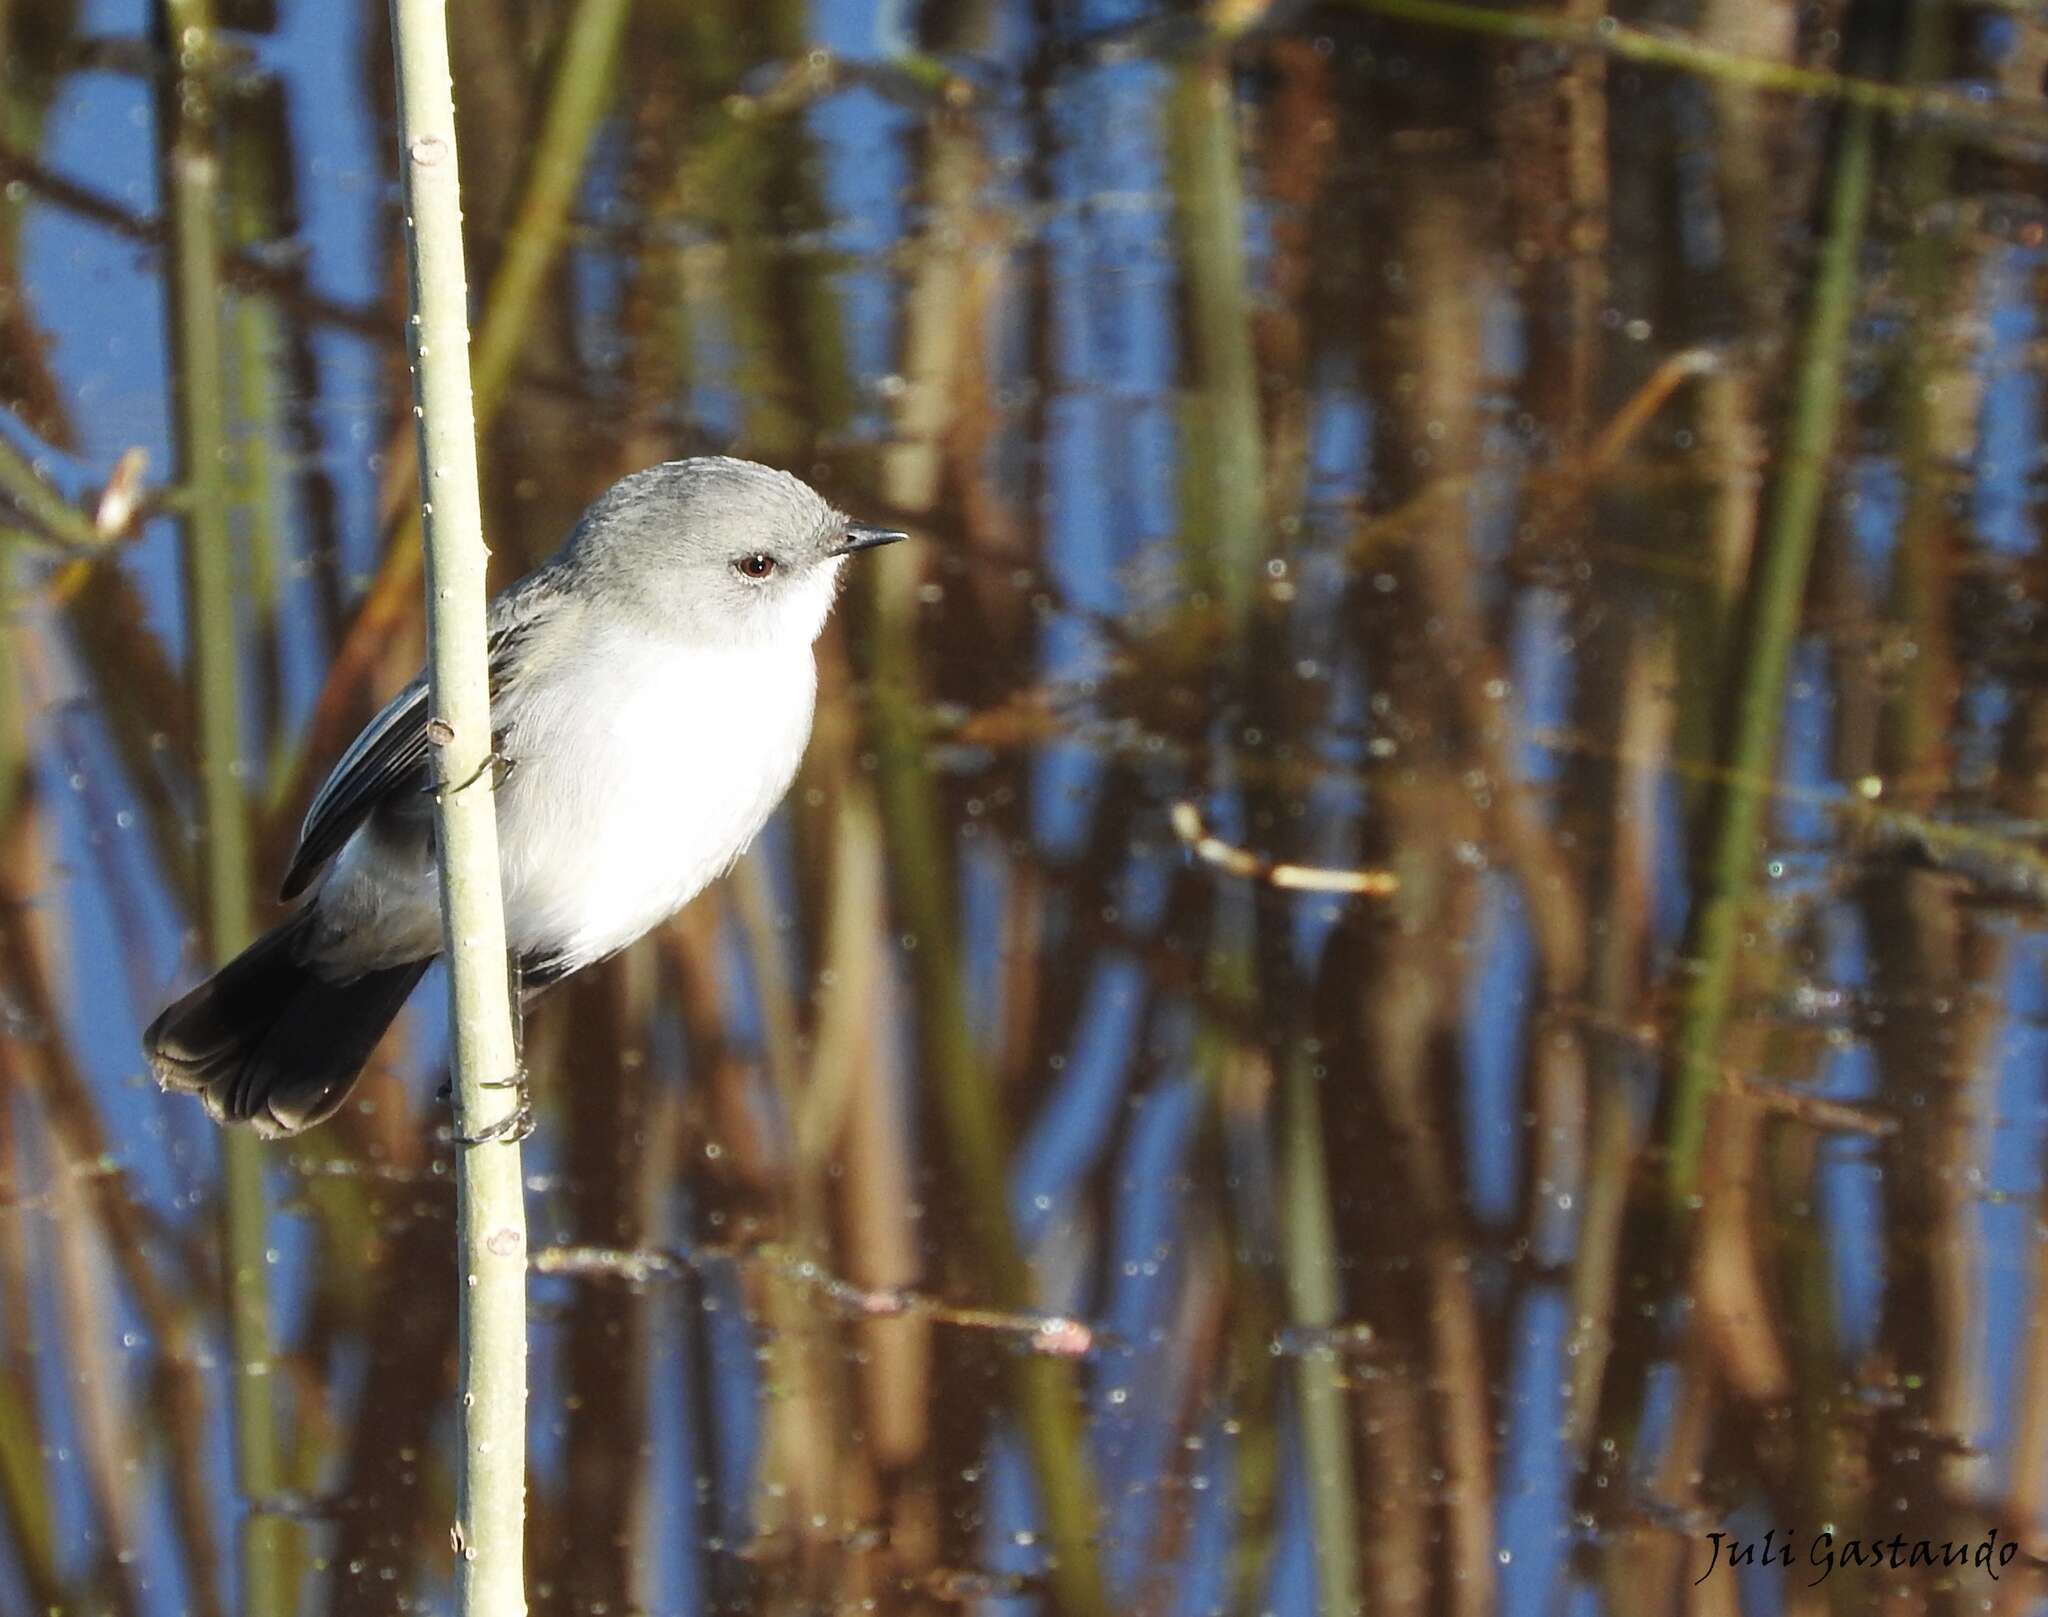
pixel 490 1505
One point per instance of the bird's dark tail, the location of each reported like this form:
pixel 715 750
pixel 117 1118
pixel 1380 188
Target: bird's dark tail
pixel 268 1041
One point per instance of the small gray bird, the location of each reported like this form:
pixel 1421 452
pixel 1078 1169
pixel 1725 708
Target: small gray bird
pixel 651 696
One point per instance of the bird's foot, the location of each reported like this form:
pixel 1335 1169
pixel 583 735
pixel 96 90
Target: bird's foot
pixel 516 1124
pixel 498 765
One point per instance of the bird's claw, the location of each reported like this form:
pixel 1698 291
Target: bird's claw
pixel 495 762
pixel 515 1125
pixel 512 1128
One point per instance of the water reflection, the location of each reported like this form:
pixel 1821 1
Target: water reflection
pixel 1571 476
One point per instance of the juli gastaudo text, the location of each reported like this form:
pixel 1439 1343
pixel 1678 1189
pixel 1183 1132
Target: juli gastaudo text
pixel 1827 1552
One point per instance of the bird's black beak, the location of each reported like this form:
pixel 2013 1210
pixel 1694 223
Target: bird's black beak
pixel 865 536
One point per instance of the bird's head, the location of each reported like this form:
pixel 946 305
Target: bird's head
pixel 720 551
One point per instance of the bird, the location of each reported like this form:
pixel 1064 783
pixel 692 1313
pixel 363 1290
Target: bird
pixel 652 688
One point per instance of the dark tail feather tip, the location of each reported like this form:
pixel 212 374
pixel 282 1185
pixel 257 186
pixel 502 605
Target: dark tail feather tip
pixel 268 1042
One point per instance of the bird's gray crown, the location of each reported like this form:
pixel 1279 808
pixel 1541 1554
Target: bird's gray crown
pixel 711 507
pixel 712 549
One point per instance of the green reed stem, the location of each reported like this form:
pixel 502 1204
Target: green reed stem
pixel 1043 1390
pixel 257 387
pixel 1224 461
pixel 192 186
pixel 1777 595
pixel 1309 1245
pixel 490 1510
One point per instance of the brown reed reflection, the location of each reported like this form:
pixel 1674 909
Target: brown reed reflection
pixel 1588 475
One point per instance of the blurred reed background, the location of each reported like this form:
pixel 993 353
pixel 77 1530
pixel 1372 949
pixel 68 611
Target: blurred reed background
pixel 1590 470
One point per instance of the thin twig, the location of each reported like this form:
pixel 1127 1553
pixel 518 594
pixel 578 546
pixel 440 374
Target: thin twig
pixel 1059 1336
pixel 1993 120
pixel 1236 861
pixel 1792 1101
pixel 1055 1335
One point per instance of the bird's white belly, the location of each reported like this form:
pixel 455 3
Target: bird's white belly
pixel 630 793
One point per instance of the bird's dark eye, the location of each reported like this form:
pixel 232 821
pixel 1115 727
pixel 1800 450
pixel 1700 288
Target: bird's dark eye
pixel 756 565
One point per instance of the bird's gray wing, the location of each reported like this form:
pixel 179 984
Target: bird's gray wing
pixel 391 753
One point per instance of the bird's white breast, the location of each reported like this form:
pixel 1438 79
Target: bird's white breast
pixel 637 780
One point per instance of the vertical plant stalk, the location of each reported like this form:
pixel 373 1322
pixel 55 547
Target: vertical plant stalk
pixel 490 1214
pixel 1309 1242
pixel 255 145
pixel 191 169
pixel 1777 597
pixel 1225 497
